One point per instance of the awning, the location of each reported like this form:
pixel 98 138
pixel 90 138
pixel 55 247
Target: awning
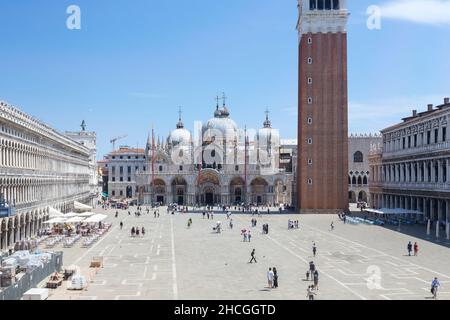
pixel 75 220
pixel 96 218
pixel 86 214
pixel 397 211
pixel 70 215
pixel 81 206
pixel 55 221
pixel 55 213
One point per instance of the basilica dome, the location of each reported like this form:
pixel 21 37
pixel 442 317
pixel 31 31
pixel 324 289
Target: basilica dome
pixel 179 136
pixel 221 125
pixel 267 136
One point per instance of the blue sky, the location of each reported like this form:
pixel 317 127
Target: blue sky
pixel 134 62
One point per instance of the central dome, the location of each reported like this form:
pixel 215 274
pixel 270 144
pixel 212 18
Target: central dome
pixel 220 125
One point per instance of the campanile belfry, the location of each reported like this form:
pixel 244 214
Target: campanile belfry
pixel 322 106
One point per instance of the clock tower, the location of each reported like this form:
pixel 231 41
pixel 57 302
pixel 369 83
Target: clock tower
pixel 322 107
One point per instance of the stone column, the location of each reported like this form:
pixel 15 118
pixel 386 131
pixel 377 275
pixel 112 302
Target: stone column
pixel 440 207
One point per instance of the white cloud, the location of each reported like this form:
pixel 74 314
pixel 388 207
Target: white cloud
pixel 435 12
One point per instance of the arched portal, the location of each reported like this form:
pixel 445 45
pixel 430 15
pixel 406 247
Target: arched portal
pixel 209 186
pixel 362 196
pixel 159 190
pixel 179 190
pixel 352 196
pixel 258 191
pixel 237 190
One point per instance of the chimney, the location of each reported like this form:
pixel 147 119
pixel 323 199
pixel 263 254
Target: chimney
pixel 430 107
pixel 414 113
pixel 446 100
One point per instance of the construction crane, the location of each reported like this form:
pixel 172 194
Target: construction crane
pixel 113 140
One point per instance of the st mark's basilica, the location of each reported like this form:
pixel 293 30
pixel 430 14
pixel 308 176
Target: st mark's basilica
pixel 219 165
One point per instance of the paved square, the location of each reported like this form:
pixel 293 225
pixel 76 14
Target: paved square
pixel 174 262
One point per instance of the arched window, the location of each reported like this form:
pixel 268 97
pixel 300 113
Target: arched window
pixel 358 157
pixel 365 180
pixel 354 180
pixel 359 181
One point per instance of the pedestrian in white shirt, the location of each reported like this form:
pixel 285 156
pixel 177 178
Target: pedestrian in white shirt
pixel 270 276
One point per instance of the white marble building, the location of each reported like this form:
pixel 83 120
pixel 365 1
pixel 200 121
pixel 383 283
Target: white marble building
pixel 39 168
pixel 411 169
pixel 217 168
pixel 89 140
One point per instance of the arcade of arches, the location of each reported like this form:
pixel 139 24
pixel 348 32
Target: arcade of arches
pixel 209 188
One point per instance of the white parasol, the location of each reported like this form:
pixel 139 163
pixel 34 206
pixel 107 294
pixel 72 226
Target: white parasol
pixel 53 213
pixel 86 214
pixel 96 218
pixel 75 220
pixel 55 221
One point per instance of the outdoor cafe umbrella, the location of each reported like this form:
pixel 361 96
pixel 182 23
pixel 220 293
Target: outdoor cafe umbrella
pixel 96 218
pixel 70 215
pixel 86 214
pixel 75 220
pixel 53 213
pixel 55 221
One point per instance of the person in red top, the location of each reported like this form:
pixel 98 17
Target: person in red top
pixel 416 249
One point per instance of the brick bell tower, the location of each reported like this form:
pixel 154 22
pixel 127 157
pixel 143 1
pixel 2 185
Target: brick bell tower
pixel 322 110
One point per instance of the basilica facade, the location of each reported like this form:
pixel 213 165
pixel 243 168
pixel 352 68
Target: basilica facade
pixel 220 164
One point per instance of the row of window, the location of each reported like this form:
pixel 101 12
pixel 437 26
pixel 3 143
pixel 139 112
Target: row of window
pixel 417 140
pixel 324 5
pixel 417 172
pixel 127 157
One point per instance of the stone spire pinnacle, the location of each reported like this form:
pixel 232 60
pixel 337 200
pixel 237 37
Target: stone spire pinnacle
pixel 267 123
pixel 180 124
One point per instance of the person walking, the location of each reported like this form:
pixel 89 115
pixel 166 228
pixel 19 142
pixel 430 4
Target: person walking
pixel 121 225
pixel 245 235
pixel 409 247
pixel 332 225
pixel 270 276
pixel 316 280
pixel 253 256
pixel 133 231
pixel 416 249
pixel 143 231
pixel 312 268
pixel 137 232
pixel 275 278
pixel 434 287
pixel 310 293
pixel 249 236
pixel 307 275
pixel 314 249
pixel 231 224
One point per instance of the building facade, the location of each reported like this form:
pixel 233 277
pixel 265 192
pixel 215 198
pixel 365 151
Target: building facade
pixel 360 147
pixel 222 166
pixel 39 168
pixel 89 140
pixel 322 116
pixel 123 166
pixel 411 169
